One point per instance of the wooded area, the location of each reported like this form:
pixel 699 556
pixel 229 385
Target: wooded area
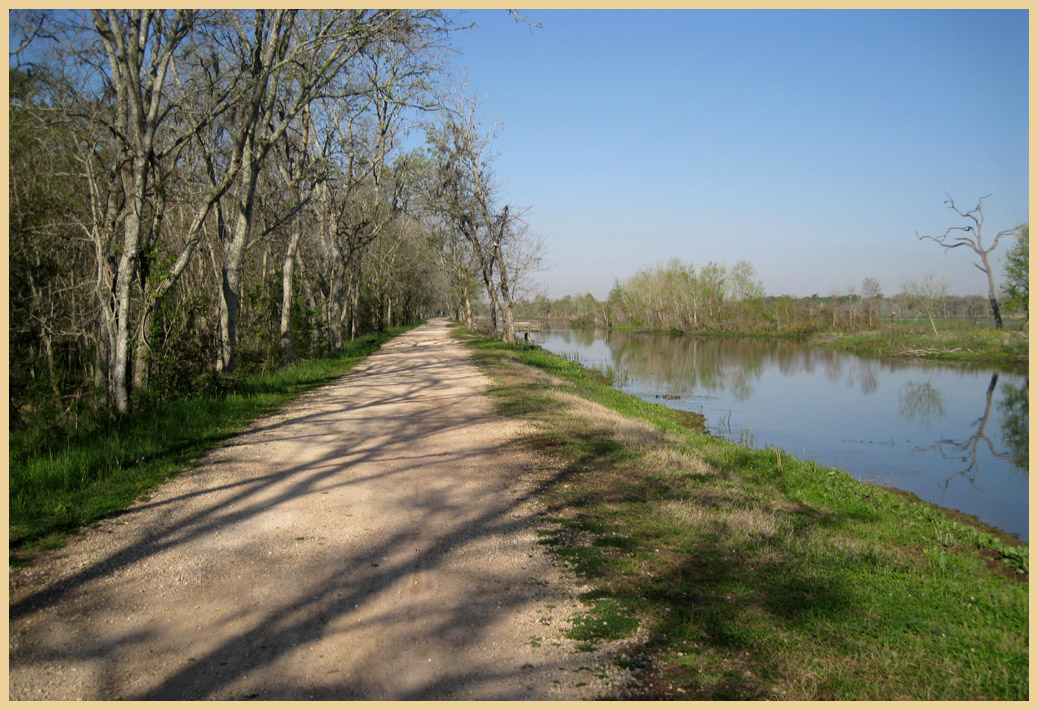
pixel 678 296
pixel 194 193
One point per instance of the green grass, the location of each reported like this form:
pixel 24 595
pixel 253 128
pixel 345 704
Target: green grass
pixel 954 341
pixel 56 491
pixel 745 575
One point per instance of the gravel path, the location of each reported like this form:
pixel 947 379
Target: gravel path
pixel 374 540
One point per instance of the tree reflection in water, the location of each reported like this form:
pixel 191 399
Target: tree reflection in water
pixel 1015 423
pixel 685 363
pixel 921 401
pixel 966 450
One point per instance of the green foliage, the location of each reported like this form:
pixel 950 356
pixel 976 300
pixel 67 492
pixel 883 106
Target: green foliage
pixel 183 350
pixel 1016 426
pixel 50 351
pixel 1015 291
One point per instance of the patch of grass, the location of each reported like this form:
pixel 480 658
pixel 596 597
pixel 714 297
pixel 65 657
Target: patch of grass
pixel 606 620
pixel 751 581
pixel 955 341
pixel 56 491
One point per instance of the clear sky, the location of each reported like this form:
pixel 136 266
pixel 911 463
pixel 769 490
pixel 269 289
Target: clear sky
pixel 813 144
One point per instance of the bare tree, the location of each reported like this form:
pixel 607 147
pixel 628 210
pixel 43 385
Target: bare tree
pixel 128 103
pixel 265 142
pixel 870 291
pixel 926 295
pixel 140 47
pixel 466 194
pixel 295 165
pixel 292 59
pixel 524 253
pixel 971 236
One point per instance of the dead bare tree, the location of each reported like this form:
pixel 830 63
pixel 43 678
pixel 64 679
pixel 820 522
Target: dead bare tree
pixel 971 236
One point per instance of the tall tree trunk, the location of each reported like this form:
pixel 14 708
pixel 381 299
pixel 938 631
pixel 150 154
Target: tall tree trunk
pixel 354 307
pixel 468 305
pixel 991 291
pixel 230 283
pixel 234 251
pixel 287 275
pixel 506 301
pixel 123 281
pixel 488 281
pixel 486 268
pixel 142 353
pixel 995 312
pixel 335 308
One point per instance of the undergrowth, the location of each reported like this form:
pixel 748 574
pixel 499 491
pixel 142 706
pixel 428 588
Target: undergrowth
pixel 55 490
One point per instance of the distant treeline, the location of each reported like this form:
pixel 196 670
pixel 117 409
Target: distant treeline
pixel 676 296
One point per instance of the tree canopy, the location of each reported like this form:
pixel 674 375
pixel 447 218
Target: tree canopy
pixel 194 192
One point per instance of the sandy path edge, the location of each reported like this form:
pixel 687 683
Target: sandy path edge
pixel 373 540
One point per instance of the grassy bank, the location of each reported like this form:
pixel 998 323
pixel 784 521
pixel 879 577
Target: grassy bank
pixel 744 574
pixel 953 342
pixel 54 492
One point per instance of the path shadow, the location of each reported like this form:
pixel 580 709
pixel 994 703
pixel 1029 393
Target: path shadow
pixel 341 593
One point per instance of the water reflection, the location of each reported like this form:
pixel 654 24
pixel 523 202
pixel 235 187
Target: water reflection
pixel 921 401
pixel 908 424
pixel 1015 422
pixel 686 364
pixel 966 450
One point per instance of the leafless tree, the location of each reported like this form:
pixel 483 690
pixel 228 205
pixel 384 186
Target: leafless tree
pixel 296 165
pixel 971 236
pixel 870 291
pixel 524 254
pixel 139 46
pixel 467 194
pixel 926 294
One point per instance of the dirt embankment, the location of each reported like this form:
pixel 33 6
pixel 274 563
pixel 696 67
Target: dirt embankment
pixel 375 540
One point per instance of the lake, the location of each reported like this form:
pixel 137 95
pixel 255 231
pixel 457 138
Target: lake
pixel 953 435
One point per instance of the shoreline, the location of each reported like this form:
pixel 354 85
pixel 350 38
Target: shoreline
pixel 753 574
pixel 907 341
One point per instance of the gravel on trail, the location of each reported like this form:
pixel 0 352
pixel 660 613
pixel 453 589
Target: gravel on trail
pixel 376 539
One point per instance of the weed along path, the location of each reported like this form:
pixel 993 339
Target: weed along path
pixel 374 540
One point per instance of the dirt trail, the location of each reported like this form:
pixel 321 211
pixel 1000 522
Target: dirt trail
pixel 374 540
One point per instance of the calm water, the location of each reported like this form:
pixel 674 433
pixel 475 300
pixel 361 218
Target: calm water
pixel 951 435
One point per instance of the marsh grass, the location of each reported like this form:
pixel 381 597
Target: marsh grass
pixel 747 574
pixel 56 490
pixel 955 341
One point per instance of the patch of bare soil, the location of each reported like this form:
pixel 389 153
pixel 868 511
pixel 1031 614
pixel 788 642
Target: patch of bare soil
pixel 374 540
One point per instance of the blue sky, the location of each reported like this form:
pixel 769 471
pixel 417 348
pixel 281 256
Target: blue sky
pixel 813 144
